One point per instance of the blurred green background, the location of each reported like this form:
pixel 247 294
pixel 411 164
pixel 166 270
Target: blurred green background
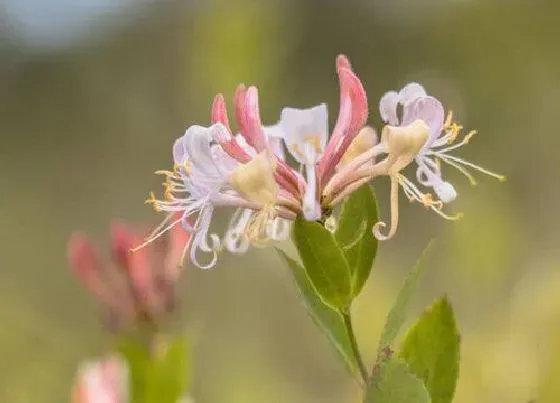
pixel 89 108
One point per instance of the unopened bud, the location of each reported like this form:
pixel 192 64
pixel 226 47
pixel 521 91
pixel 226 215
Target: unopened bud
pixel 364 141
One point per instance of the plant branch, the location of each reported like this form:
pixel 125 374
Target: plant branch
pixel 346 316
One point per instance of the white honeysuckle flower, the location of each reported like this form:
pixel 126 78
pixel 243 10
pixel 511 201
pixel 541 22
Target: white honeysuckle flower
pixel 305 133
pixel 198 183
pixel 417 105
pixel 278 229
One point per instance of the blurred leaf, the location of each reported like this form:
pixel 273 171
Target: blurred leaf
pixel 397 314
pixel 354 235
pixel 324 263
pixel 393 382
pixel 159 374
pixel 328 320
pixel 431 349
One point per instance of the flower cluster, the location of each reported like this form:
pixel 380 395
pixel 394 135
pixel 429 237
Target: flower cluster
pixel 248 169
pixel 134 288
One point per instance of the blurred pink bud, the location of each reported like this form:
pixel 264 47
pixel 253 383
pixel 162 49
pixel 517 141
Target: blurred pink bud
pixel 101 381
pixel 85 263
pixel 121 243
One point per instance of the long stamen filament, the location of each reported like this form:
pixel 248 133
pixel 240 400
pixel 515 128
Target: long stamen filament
pixel 447 158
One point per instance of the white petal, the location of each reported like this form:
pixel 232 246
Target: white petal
pixel 179 153
pixel 445 191
pixel 428 109
pixel 275 135
pixel 311 207
pixel 200 239
pixel 305 132
pixel 429 174
pixel 411 92
pixel 388 108
pixel 235 239
pixel 278 229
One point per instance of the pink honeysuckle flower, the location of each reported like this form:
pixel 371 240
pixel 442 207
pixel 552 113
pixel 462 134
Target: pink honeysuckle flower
pixel 101 381
pixel 139 286
pixel 215 167
pixel 417 104
pixel 420 135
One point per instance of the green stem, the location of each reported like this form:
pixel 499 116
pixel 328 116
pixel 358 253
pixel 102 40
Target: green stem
pixel 346 316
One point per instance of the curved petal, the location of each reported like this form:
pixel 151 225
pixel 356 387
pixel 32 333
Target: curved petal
pixel 179 152
pixel 305 132
pixel 275 135
pixel 200 239
pixel 278 229
pixel 428 109
pixel 411 92
pixel 388 108
pixel 429 175
pixel 235 239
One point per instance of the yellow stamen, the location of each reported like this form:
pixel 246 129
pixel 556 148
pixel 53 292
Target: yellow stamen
pixel 255 231
pixel 448 120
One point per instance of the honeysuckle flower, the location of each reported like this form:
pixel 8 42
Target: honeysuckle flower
pixel 214 167
pixel 419 134
pixel 133 287
pixel 101 381
pixel 305 133
pixel 444 136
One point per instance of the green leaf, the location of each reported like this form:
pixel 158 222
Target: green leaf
pixel 159 374
pixel 328 320
pixel 354 235
pixel 397 314
pixel 393 382
pixel 431 349
pixel 324 263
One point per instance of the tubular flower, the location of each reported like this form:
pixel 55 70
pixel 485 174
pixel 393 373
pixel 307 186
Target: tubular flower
pixel 132 288
pixel 247 169
pixel 422 136
pixel 214 167
pixel 444 137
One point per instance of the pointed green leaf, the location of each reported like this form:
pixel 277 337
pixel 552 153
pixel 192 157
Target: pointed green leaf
pixel 397 314
pixel 431 349
pixel 354 234
pixel 324 263
pixel 159 374
pixel 328 320
pixel 393 382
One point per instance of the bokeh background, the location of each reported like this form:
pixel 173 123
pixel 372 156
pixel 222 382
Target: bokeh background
pixel 94 92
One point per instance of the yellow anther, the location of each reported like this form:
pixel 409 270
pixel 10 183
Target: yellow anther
pixel 151 198
pixel 469 136
pixel 453 132
pixel 448 120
